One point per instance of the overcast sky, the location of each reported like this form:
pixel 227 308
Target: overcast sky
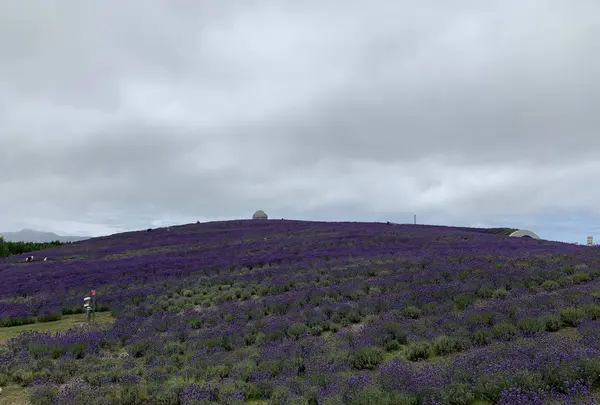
pixel 121 115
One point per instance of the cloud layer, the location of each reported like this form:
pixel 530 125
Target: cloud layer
pixel 123 115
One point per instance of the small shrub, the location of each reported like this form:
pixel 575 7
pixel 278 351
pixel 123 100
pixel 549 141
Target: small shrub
pixel 485 292
pixel 550 285
pixel 418 351
pixel 551 322
pixel 571 316
pixel 504 330
pixel 396 332
pixel 17 321
pixel 316 330
pixel 367 357
pixel 195 322
pixel 296 330
pixel 480 318
pixel 591 311
pixel 443 345
pixel 392 345
pixel 43 395
pixel 218 371
pixel 581 277
pixel 500 293
pixel 134 394
pixel 173 347
pixel 23 377
pixel 412 312
pixel 462 301
pixel 138 349
pixel 372 395
pixel 565 281
pixel 590 371
pixel 371 319
pixel 531 324
pixel 353 316
pixel 482 337
pixel 489 387
pixel 49 317
pixel 458 394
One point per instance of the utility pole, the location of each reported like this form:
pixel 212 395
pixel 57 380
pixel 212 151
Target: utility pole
pixel 415 219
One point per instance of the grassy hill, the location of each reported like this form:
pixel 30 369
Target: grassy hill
pixel 306 313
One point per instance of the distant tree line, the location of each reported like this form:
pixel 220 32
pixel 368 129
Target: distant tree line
pixel 16 248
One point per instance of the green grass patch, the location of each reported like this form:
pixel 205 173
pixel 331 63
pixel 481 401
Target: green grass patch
pixel 62 325
pixel 14 395
pixel 568 332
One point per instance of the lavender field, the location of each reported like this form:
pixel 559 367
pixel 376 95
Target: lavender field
pixel 293 312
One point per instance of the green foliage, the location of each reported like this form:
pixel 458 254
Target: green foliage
pixel 4 379
pixel 43 395
pixel 195 322
pixel 412 312
pixel 4 250
pixel 17 321
pixel 49 317
pixel 504 330
pixel 138 349
pixel 591 311
pixel 482 337
pixel 550 285
pixel 531 324
pixel 374 395
pixel 17 248
pixel 443 345
pixel 296 330
pixel 581 277
pixel 499 293
pixel 462 301
pixel 134 394
pixel 367 357
pixel 590 371
pixel 23 377
pixel 482 318
pixel 485 292
pixel 458 394
pixel 418 351
pixel 551 322
pixel 571 316
pixel 395 331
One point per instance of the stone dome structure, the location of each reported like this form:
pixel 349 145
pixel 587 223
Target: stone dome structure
pixel 260 214
pixel 524 233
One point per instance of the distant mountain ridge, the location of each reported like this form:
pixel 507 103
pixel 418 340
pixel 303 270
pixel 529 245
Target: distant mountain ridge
pixel 30 235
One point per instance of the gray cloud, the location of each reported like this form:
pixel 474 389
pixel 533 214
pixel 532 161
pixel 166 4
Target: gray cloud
pixel 118 115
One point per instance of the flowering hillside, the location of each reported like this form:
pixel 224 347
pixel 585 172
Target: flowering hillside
pixel 293 312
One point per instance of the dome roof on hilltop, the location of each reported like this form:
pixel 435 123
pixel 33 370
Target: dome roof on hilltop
pixel 524 233
pixel 260 214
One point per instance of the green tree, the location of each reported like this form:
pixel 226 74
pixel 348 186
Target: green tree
pixel 4 251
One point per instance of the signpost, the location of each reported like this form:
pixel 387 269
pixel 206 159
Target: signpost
pixel 93 305
pixel 89 304
pixel 87 307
